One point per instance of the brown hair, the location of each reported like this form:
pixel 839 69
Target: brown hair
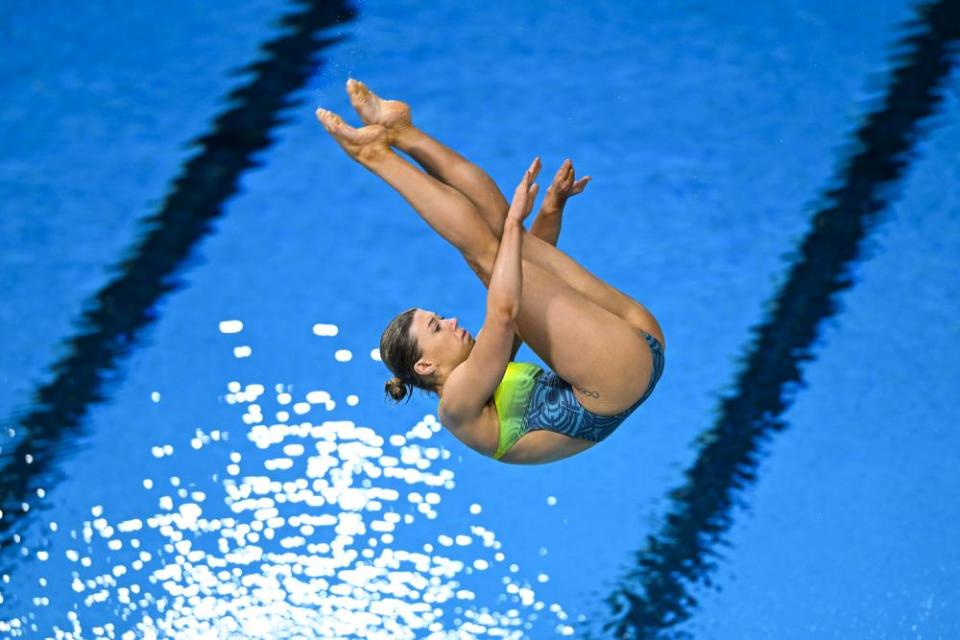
pixel 400 351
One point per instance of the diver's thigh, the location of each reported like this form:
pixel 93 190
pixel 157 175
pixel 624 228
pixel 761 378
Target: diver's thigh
pixel 605 360
pixel 598 291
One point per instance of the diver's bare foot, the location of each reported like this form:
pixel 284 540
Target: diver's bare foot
pixel 392 114
pixel 364 145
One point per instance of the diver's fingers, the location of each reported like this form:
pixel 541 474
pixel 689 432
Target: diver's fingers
pixel 525 194
pixel 520 196
pixel 531 198
pixel 580 185
pixel 533 170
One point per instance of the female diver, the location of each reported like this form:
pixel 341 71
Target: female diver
pixel 605 350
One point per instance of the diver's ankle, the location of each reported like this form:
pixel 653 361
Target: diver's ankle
pixel 406 137
pixel 373 156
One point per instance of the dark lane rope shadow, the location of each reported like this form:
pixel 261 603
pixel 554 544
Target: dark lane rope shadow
pixel 657 593
pixel 114 320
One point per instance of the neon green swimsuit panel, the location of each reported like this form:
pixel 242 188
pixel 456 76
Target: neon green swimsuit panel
pixel 511 398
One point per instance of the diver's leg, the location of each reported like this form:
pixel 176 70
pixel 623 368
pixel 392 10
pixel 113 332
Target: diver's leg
pixel 606 361
pixel 449 167
pixel 440 161
pixel 446 210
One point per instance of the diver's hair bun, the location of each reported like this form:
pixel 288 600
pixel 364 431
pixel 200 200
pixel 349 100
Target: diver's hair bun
pixel 396 389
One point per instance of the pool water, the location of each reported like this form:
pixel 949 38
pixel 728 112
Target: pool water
pixel 195 438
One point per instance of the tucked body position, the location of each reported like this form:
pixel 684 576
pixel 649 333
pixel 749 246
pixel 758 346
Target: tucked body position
pixel 604 350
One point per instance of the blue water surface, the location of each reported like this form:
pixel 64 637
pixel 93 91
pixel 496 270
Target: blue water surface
pixel 219 491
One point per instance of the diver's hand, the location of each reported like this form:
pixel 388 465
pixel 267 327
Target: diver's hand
pixel 525 193
pixel 564 186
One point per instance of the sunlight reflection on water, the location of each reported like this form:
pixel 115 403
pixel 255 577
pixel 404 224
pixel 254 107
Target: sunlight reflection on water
pixel 302 531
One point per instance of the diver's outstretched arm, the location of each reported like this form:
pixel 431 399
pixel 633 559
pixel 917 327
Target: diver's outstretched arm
pixel 470 385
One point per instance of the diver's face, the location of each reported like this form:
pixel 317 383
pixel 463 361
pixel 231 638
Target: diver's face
pixel 443 342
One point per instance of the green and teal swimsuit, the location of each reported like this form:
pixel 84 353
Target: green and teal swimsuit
pixel 531 398
pixel 512 398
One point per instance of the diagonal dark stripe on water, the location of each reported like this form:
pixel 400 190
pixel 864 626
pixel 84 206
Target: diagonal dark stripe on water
pixel 116 317
pixel 657 594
